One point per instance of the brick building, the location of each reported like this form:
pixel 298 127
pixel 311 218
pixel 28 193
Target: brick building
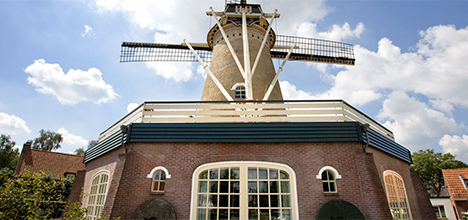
pixel 228 157
pixel 456 184
pixel 53 163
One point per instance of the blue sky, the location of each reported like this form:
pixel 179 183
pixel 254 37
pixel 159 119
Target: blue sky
pixel 60 70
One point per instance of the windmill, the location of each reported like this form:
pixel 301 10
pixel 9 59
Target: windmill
pixel 239 49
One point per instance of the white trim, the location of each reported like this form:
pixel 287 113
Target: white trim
pixel 150 175
pixel 337 175
pixel 234 87
pixel 293 180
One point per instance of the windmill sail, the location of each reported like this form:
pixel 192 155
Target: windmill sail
pixel 308 49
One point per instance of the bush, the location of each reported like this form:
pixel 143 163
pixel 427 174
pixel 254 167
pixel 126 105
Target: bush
pixel 32 195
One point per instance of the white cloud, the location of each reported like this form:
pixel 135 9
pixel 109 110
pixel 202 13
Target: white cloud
pixel 71 88
pixel 290 92
pixel 132 106
pixel 11 124
pixel 336 32
pixel 413 122
pixel 71 139
pixel 456 145
pixel 88 31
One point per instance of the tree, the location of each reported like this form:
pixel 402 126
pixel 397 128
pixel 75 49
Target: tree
pixel 47 140
pixel 429 165
pixel 8 154
pixel 81 151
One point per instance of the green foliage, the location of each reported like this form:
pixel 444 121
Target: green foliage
pixel 80 151
pixel 32 195
pixel 92 143
pixel 429 165
pixel 8 154
pixel 47 140
pixel 74 211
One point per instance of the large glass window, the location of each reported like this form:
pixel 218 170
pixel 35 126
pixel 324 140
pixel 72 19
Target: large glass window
pixel 396 195
pixel 97 195
pixel 244 190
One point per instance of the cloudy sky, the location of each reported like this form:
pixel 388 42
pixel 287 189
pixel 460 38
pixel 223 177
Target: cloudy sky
pixel 60 70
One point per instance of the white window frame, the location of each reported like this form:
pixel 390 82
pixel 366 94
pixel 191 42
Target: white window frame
pixel 334 173
pixel 397 193
pixel 151 176
pixel 243 191
pixel 100 172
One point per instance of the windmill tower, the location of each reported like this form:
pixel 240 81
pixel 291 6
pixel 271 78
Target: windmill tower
pixel 240 48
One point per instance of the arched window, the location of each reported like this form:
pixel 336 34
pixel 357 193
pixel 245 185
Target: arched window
pixel 97 195
pixel 328 181
pixel 244 190
pixel 396 195
pixel 158 177
pixel 240 92
pixel 329 175
pixel 159 181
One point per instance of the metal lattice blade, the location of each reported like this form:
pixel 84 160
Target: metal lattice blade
pixel 313 50
pixel 146 52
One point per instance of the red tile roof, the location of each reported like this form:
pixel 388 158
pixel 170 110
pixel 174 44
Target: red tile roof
pixel 54 163
pixel 454 184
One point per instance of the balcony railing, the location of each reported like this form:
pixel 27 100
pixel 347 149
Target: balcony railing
pixel 246 112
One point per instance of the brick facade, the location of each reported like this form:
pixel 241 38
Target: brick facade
pixel 361 183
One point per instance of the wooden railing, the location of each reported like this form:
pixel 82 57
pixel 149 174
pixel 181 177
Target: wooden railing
pixel 246 111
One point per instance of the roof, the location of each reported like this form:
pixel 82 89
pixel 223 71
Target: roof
pixel 274 132
pixel 454 182
pixel 53 163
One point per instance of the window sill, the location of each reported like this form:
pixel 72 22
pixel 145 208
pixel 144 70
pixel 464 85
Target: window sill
pixel 156 193
pixel 330 193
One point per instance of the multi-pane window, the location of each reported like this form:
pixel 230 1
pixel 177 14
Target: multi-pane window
pixel 243 191
pixel 159 181
pixel 328 181
pixel 396 196
pixel 97 196
pixel 440 211
pixel 240 92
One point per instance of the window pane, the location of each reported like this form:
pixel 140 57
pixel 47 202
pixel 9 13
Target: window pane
pixel 331 176
pixel 264 201
pixel 263 173
pixel 274 201
pixel 163 175
pixel 332 187
pixel 235 187
pixel 287 214
pixel 224 173
pixel 285 187
pixel 325 187
pixel 224 187
pixel 253 214
pixel 234 214
pixel 223 201
pixel 273 174
pixel 201 201
pixel 442 211
pixel 252 186
pixel 223 214
pixel 213 214
pixel 213 201
pixel 324 175
pixel 285 201
pixel 253 202
pixel 157 175
pixel 203 175
pixel 284 175
pixel 161 186
pixel 201 214
pixel 213 186
pixel 234 200
pixel 214 174
pixel 252 173
pixel 274 187
pixel 263 185
pixel 264 214
pixel 202 186
pixel 235 173
pixel 275 214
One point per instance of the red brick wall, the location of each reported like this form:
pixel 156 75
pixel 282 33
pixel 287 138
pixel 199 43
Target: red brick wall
pixel 360 183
